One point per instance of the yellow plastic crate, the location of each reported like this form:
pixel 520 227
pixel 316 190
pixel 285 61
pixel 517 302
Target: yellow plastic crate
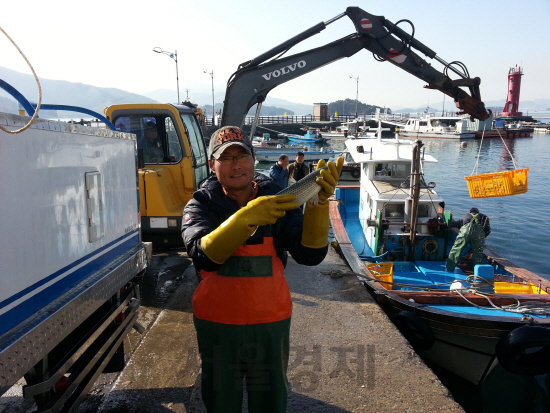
pixel 498 184
pixel 517 288
pixel 382 271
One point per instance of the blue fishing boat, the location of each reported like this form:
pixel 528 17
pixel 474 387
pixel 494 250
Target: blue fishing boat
pixel 390 233
pixel 310 136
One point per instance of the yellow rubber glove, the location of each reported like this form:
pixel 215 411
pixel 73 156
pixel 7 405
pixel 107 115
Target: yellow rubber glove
pixel 221 243
pixel 316 217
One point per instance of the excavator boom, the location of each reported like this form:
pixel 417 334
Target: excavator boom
pixel 254 79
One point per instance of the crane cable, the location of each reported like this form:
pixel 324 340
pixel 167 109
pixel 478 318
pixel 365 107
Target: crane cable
pixel 475 170
pixel 39 91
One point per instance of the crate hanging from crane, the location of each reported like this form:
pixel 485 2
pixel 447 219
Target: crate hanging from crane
pixel 498 184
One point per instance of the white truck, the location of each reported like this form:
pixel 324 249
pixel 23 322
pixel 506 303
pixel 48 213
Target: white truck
pixel 70 247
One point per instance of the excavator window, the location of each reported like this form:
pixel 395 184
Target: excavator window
pixel 156 137
pixel 174 147
pixel 196 142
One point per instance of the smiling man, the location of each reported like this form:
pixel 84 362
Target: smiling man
pixel 238 233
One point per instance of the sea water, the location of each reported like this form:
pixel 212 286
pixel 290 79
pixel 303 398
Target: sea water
pixel 520 224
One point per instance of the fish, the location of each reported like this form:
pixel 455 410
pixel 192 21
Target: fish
pixel 306 188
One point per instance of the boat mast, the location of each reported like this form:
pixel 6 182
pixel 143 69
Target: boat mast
pixel 411 204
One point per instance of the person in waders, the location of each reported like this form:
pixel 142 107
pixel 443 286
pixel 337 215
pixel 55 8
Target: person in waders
pixel 475 228
pixel 238 233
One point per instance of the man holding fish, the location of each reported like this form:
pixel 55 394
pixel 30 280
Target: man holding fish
pixel 238 230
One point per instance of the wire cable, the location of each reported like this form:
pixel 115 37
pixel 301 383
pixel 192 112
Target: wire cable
pixel 39 91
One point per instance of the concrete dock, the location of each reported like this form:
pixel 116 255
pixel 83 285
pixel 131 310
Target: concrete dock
pixel 346 356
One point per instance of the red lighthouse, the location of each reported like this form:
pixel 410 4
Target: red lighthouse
pixel 512 101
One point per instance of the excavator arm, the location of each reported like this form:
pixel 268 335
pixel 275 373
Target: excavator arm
pixel 254 79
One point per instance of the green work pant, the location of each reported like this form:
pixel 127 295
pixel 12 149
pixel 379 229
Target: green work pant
pixel 471 233
pixel 257 352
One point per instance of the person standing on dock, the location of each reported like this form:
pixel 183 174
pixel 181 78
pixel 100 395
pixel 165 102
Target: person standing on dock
pixel 238 232
pixel 475 228
pixel 297 170
pixel 279 171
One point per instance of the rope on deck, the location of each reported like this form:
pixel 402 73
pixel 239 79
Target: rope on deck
pixel 527 307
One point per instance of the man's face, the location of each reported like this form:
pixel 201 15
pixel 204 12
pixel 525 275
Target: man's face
pixel 235 175
pixel 299 158
pixel 284 162
pixel 151 133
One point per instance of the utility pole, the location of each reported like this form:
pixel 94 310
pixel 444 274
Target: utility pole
pixel 212 76
pixel 356 92
pixel 173 56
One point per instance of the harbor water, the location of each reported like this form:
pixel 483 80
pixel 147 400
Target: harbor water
pixel 518 222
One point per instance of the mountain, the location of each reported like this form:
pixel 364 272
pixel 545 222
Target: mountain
pixel 524 106
pixel 170 96
pixel 297 108
pixel 347 107
pixel 271 107
pixel 97 98
pixel 62 92
pixel 8 105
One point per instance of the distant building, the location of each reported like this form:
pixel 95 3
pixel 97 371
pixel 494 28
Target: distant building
pixel 320 111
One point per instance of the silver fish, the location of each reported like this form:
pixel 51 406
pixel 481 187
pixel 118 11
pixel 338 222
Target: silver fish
pixel 306 188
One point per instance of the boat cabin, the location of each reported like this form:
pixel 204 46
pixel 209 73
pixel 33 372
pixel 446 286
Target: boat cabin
pixel 385 191
pixel 436 125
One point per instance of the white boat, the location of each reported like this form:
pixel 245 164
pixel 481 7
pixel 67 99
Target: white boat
pixel 388 162
pixel 348 129
pixel 265 141
pixel 272 154
pixel 443 127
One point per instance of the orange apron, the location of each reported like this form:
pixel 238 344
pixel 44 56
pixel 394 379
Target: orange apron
pixel 249 288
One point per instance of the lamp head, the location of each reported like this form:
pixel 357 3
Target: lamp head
pixel 157 51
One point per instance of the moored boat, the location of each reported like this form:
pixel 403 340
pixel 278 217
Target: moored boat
pixel 443 127
pixel 272 154
pixel 467 321
pixel 311 136
pixel 266 140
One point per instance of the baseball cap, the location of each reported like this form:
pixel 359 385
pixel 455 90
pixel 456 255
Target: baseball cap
pixel 228 136
pixel 474 210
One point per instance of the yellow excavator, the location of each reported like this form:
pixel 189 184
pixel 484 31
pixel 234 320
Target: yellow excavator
pixel 172 162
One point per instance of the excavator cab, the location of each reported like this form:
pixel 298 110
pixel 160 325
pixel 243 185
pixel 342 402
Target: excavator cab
pixel 172 162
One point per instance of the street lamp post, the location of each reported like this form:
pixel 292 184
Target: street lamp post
pixel 356 92
pixel 212 76
pixel 175 57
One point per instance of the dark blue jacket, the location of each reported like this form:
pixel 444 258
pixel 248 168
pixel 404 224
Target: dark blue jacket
pixel 279 175
pixel 210 207
pixel 482 220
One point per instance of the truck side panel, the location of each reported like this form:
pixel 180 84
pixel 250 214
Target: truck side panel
pixel 69 230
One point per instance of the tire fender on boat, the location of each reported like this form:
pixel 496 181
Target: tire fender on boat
pixel 525 351
pixel 430 246
pixel 415 330
pixel 355 172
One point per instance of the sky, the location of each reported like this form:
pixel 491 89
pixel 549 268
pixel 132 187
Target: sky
pixel 110 44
